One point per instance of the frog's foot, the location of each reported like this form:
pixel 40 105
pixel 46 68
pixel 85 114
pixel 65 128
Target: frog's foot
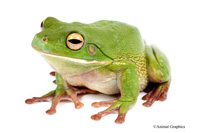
pixel 155 92
pixel 61 95
pixel 53 73
pixel 116 106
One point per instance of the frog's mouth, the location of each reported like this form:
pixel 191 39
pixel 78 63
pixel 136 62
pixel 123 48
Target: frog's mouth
pixel 75 60
pixel 72 66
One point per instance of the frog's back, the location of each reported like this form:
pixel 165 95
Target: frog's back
pixel 115 39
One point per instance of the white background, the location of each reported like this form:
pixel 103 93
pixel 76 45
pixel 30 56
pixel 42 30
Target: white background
pixel 174 26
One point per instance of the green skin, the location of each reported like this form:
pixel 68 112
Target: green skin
pixel 119 48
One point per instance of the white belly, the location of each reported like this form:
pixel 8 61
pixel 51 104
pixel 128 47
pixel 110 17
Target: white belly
pixel 104 83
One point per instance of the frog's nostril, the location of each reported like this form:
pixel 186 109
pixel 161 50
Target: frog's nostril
pixel 45 39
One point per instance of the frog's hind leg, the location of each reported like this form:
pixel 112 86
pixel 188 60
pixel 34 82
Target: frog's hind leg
pixel 159 76
pixel 155 92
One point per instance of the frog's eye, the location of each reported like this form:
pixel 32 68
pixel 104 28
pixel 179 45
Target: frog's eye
pixel 42 24
pixel 74 41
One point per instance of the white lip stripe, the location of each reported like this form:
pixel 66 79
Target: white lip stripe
pixel 75 60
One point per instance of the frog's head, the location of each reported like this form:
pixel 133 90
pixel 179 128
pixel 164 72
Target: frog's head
pixel 68 48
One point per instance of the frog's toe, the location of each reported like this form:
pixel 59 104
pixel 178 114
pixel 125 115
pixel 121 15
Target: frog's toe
pixel 74 92
pixel 117 107
pixel 43 98
pixel 61 95
pixel 53 73
pixel 51 111
pixel 120 119
pixel 54 81
pixel 54 96
pixel 101 114
pixel 163 96
pixel 103 103
pixel 35 99
pixel 157 92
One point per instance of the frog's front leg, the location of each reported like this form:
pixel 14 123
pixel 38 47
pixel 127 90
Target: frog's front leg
pixel 159 75
pixel 129 86
pixel 62 93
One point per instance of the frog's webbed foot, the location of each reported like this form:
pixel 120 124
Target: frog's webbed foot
pixel 61 95
pixel 155 92
pixel 116 107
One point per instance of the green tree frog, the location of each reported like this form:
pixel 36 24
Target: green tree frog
pixel 109 57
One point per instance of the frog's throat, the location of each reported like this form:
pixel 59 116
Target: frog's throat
pixel 75 60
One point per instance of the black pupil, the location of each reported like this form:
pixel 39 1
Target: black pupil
pixel 41 24
pixel 75 41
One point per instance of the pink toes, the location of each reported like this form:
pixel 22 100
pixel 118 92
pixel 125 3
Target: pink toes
pixel 157 92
